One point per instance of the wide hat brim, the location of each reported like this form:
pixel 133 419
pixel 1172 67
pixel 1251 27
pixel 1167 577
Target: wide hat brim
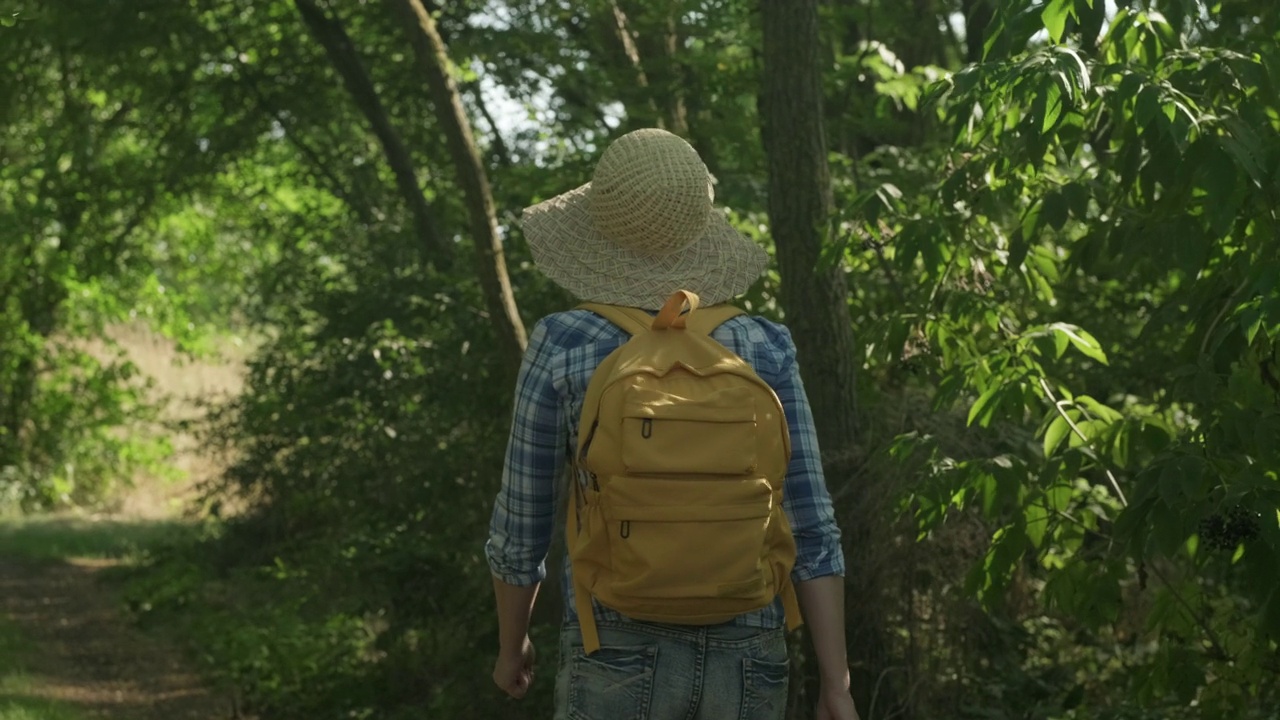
pixel 718 266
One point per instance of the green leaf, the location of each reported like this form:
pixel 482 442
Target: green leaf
pixel 1219 179
pixel 1054 17
pixel 1082 341
pixel 1166 530
pixel 1059 496
pixel 1043 288
pixel 1060 343
pixel 1120 445
pixel 1036 518
pixel 1129 86
pixel 989 491
pixel 1243 146
pixel 1077 197
pixel 1080 70
pixel 991 577
pixel 1251 318
pixel 1054 435
pixel 1018 247
pixel 984 405
pixel 1090 429
pixel 1146 106
pixel 1097 409
pixel 1053 107
pixel 1179 482
pixel 1031 222
pixel 1055 210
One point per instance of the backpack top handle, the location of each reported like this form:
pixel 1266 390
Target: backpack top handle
pixel 672 314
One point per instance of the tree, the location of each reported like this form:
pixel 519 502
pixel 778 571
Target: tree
pixel 1043 236
pixel 330 33
pixel 491 265
pixel 1109 178
pixel 99 149
pixel 815 295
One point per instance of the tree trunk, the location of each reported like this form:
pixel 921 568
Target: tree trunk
pixel 342 53
pixel 928 45
pixel 433 61
pixel 660 44
pixel 816 302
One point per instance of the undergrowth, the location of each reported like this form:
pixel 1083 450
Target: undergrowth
pixel 17 699
pixel 297 631
pixel 53 538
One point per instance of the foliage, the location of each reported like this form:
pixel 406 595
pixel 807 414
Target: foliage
pixel 1126 184
pixel 56 538
pixel 1060 227
pixel 114 120
pixel 274 630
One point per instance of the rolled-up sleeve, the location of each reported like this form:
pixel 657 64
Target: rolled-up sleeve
pixel 806 500
pixel 521 526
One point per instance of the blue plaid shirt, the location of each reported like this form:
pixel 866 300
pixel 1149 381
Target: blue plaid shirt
pixel 564 349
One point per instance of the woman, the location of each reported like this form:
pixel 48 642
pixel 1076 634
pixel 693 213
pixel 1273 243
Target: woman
pixel 643 228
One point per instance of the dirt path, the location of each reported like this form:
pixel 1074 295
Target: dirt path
pixel 80 649
pixel 88 656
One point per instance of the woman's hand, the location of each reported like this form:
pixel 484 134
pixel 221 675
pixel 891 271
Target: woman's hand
pixel 513 672
pixel 835 703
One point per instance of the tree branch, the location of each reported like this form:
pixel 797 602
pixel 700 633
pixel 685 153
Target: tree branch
pixel 500 148
pixel 433 62
pixel 620 28
pixel 1057 405
pixel 252 82
pixel 341 52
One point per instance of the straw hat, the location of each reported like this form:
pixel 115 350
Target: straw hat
pixel 644 227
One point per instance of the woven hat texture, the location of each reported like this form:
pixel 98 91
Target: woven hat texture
pixel 645 226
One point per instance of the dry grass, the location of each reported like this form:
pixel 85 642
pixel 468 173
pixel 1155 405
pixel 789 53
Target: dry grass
pixel 67 652
pixel 185 387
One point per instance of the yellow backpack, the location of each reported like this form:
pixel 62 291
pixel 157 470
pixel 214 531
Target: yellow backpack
pixel 684 449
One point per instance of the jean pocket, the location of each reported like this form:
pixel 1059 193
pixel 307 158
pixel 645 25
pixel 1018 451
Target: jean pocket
pixel 613 683
pixel 764 689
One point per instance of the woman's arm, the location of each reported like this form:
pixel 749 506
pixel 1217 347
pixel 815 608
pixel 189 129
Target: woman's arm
pixel 822 602
pixel 513 670
pixel 524 511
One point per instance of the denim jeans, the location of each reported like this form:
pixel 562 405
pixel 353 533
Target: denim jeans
pixel 645 671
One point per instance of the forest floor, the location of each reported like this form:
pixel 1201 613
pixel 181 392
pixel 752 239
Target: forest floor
pixel 70 652
pixel 69 648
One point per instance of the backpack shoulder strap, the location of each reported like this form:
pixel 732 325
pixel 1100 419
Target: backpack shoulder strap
pixel 706 319
pixel 633 320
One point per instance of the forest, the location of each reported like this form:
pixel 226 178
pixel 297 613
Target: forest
pixel 1029 252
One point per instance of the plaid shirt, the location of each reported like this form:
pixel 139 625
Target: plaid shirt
pixel 564 349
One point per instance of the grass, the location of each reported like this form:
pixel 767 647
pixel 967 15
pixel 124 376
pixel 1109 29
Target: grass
pixel 53 539
pixel 46 540
pixel 57 538
pixel 17 698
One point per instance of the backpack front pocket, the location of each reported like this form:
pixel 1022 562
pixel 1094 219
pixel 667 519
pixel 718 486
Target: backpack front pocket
pixel 688 539
pixel 666 434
